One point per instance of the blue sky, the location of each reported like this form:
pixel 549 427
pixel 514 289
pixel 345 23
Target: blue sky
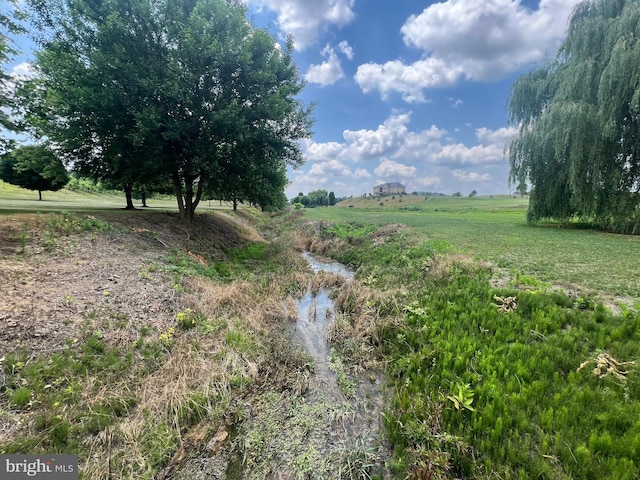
pixel 409 91
pixel 412 91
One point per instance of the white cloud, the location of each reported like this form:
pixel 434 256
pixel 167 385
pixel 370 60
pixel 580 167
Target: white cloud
pixel 429 181
pixel 468 177
pixel 469 40
pixel 323 151
pixel 333 167
pixel 361 173
pixel 328 72
pixel 346 49
pixel 23 70
pixel 388 137
pixel 391 169
pixel 409 80
pixel 487 136
pixel 422 160
pixel 305 20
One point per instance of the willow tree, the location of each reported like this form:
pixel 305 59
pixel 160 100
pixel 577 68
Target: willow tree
pixel 578 116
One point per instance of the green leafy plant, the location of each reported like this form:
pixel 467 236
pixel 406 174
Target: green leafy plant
pixel 462 396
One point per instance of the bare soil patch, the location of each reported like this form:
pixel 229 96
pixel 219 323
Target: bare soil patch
pixel 55 290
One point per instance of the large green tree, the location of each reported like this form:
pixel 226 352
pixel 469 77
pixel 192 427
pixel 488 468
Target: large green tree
pixel 158 89
pixel 34 167
pixel 579 121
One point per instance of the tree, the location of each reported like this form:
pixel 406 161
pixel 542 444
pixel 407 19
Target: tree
pixel 91 85
pixel 332 198
pixel 578 143
pixel 34 167
pixel 179 90
pixel 473 193
pixel 318 198
pixel 10 19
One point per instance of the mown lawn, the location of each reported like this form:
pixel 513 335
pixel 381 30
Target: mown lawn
pixel 15 199
pixel 495 229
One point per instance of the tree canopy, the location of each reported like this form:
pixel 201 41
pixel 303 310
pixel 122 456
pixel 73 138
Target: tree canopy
pixel 34 167
pixel 579 122
pixel 10 18
pixel 155 91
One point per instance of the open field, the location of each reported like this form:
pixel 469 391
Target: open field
pixel 495 229
pixel 510 379
pixel 15 199
pixel 486 379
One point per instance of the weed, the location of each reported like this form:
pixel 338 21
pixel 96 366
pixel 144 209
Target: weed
pixel 167 338
pixel 462 396
pixel 189 319
pixel 358 458
pixel 20 398
pixel 346 383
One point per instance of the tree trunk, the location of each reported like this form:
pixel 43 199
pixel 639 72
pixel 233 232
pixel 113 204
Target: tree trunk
pixel 40 195
pixel 177 185
pixel 128 189
pixel 187 202
pixel 144 199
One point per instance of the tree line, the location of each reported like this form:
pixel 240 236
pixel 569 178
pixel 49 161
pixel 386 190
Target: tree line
pixel 162 96
pixel 316 198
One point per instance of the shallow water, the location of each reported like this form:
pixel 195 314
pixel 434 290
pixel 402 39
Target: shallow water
pixel 310 428
pixel 333 267
pixel 315 314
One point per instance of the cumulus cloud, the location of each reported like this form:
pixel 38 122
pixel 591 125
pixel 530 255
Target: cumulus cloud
pixel 409 80
pixel 327 72
pixel 422 159
pixel 467 177
pixel 305 20
pixel 346 49
pixel 361 173
pixel 487 136
pixel 330 167
pixel 469 40
pixel 388 137
pixel 390 169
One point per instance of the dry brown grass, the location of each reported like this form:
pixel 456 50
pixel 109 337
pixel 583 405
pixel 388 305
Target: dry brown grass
pixel 357 329
pixel 440 267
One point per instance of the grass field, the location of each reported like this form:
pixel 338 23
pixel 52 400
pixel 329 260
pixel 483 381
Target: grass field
pixel 15 199
pixel 491 381
pixel 495 229
pixel 549 389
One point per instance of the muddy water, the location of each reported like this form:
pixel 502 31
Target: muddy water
pixel 287 436
pixel 315 314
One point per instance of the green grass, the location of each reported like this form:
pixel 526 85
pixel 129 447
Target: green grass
pixel 15 199
pixel 532 411
pixel 495 229
pixel 550 390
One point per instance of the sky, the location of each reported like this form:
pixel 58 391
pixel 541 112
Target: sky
pixel 408 91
